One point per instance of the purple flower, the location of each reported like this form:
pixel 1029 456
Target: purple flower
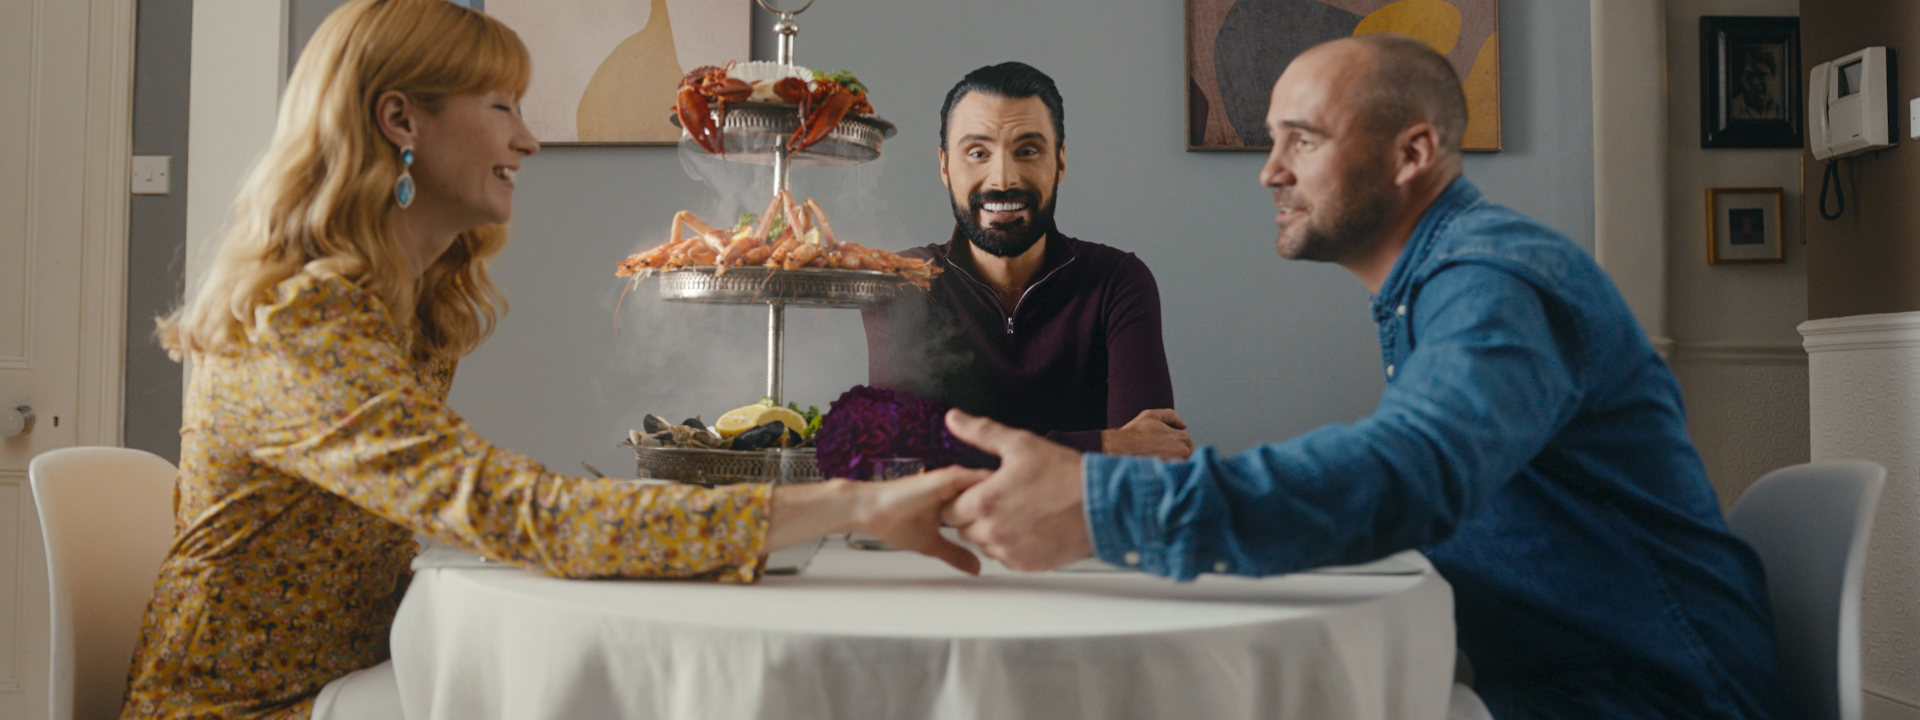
pixel 869 423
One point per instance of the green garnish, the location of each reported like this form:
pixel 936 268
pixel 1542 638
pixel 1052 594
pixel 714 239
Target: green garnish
pixel 746 221
pixel 779 226
pixel 846 80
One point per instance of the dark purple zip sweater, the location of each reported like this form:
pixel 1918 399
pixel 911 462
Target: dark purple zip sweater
pixel 1079 353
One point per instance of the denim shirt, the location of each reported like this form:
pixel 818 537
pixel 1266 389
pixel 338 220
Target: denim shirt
pixel 1529 441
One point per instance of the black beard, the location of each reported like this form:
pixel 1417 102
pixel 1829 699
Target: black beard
pixel 1004 239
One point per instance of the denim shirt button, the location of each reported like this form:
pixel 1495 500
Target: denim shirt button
pixel 1389 371
pixel 1132 557
pixel 1220 567
pixel 1402 310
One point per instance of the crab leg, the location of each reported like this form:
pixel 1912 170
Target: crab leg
pixel 795 219
pixel 761 228
pixel 820 221
pixel 684 220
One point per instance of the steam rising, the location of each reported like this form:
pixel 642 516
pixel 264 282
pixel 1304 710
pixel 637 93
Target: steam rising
pixel 687 359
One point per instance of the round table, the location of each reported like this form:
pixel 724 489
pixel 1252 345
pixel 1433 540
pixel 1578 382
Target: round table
pixel 878 634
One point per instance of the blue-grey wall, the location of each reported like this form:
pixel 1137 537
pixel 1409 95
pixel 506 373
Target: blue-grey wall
pixel 157 232
pixel 1260 348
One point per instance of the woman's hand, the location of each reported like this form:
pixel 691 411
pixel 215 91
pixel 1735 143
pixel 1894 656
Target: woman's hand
pixel 905 513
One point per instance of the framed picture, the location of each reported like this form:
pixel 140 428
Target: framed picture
pixel 1750 94
pixel 605 71
pixel 1237 48
pixel 1743 226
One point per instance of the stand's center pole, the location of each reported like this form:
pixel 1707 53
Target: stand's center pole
pixel 777 312
pixel 776 336
pixel 785 27
pixel 782 163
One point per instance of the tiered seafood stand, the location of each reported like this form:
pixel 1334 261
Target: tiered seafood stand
pixel 757 133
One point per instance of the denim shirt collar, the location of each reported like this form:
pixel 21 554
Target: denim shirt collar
pixel 1459 195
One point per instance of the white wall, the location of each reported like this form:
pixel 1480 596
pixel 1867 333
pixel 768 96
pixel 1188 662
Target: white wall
pixel 1864 388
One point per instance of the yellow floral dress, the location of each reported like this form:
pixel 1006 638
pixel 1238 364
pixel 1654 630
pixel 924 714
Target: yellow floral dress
pixel 308 460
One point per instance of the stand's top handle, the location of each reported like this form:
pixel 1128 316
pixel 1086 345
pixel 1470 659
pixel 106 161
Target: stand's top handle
pixel 787 13
pixel 785 27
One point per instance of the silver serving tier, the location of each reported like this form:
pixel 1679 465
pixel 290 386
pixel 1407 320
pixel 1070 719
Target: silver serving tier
pixel 757 133
pixel 802 287
pixel 727 467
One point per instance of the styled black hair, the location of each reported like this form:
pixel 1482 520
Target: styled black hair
pixel 1014 81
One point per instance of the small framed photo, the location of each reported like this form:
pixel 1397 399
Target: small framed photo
pixel 1750 90
pixel 1743 225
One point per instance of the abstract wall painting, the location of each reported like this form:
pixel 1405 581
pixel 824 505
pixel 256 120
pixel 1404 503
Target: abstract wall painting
pixel 1236 49
pixel 605 71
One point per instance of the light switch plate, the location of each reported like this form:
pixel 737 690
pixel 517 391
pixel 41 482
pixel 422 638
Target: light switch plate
pixel 1913 118
pixel 150 174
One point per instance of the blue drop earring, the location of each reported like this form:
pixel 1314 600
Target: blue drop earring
pixel 403 189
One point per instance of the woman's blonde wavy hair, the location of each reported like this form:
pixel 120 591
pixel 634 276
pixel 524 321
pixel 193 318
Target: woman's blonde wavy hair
pixel 319 199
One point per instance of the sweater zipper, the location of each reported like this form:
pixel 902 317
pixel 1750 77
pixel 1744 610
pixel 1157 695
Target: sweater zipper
pixel 1023 293
pixel 1036 283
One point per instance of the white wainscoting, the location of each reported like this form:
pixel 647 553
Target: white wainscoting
pixel 13 492
pixel 1864 397
pixel 1746 409
pixel 23 602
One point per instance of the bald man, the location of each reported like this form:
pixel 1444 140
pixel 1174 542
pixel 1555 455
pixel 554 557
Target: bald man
pixel 1529 441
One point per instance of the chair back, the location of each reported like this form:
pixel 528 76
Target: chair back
pixel 1810 523
pixel 107 517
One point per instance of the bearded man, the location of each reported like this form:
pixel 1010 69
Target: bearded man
pixel 1027 326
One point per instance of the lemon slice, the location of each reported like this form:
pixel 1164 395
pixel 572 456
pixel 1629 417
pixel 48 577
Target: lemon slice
pixel 740 419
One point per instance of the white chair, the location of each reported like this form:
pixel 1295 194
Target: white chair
pixel 1810 525
pixel 107 517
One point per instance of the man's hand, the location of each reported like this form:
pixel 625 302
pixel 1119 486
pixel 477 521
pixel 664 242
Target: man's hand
pixel 1029 514
pixel 906 513
pixel 1157 432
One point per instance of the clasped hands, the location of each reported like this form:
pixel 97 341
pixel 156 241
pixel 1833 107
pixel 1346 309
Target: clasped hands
pixel 1030 514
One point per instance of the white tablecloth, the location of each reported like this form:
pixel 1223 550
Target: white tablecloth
pixel 875 634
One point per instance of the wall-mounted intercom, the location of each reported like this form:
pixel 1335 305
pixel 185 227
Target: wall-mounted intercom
pixel 1850 107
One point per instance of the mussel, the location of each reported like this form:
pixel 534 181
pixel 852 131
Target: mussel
pixel 653 424
pixel 760 438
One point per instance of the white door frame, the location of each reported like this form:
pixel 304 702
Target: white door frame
pixel 239 68
pixel 1630 155
pixel 103 239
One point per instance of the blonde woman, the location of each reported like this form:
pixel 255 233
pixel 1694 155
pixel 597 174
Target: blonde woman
pixel 316 440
